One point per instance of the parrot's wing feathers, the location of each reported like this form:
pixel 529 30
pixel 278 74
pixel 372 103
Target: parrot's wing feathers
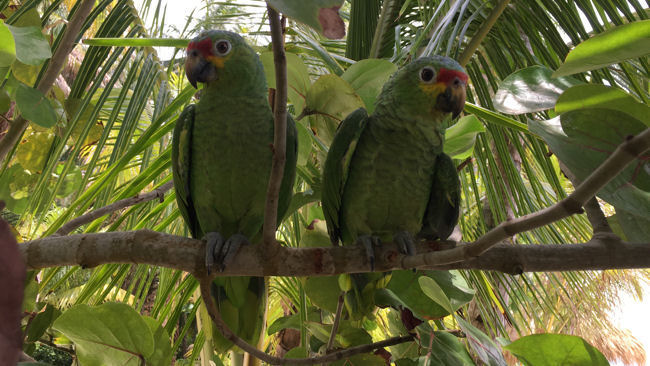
pixel 286 187
pixel 443 207
pixel 336 168
pixel 181 164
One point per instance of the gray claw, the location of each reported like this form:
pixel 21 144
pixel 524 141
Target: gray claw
pixel 231 248
pixel 214 243
pixel 368 242
pixel 405 242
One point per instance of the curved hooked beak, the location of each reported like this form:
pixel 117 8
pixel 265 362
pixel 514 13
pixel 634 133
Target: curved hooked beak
pixel 198 69
pixel 453 98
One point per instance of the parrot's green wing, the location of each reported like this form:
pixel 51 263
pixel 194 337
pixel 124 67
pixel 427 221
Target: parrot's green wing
pixel 335 172
pixel 286 187
pixel 181 162
pixel 443 207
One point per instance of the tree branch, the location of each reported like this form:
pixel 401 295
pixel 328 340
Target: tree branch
pixel 280 132
pixel 334 356
pixel 117 205
pixel 53 70
pixel 170 251
pixel 611 167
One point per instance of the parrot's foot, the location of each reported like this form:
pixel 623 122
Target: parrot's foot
pixel 230 248
pixel 405 242
pixel 214 243
pixel 368 242
pixel 221 252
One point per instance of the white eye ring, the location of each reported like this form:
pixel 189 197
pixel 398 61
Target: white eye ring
pixel 427 74
pixel 222 47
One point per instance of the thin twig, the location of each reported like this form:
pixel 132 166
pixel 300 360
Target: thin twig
pixel 610 168
pixel 594 213
pixel 476 41
pixel 335 325
pixel 205 282
pixel 280 131
pixel 53 70
pixel 117 205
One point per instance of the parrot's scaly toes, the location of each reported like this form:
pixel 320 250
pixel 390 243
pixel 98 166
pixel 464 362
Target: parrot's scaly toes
pixel 230 249
pixel 368 242
pixel 214 243
pixel 405 242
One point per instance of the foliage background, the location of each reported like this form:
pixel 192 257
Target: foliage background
pixel 116 108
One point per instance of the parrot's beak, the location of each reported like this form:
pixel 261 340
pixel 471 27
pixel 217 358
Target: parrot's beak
pixel 453 98
pixel 199 70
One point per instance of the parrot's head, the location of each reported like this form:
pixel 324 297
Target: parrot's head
pixel 429 86
pixel 217 56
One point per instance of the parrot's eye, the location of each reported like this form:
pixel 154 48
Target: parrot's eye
pixel 427 74
pixel 222 47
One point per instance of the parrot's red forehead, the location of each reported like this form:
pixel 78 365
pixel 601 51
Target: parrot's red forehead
pixel 447 75
pixel 203 46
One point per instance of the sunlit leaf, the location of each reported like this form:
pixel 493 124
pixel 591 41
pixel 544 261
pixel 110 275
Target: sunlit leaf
pixel 367 78
pixel 602 96
pixel 329 100
pixel 138 42
pixel 107 334
pixel 297 78
pixel 7 46
pixel 461 137
pixel 617 44
pixel 556 349
pixel 528 90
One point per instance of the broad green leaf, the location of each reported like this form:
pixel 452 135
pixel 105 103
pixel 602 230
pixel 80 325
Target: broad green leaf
pixel 615 45
pixel 34 106
pixel 435 293
pixel 138 42
pixel 461 137
pixel 635 228
pixel 584 138
pixel 7 46
pixel 70 182
pixel 7 189
pixel 323 291
pixel 322 15
pixel 31 46
pixel 532 89
pixel 329 100
pixel 41 322
pixel 556 350
pixel 349 333
pixel 602 96
pixel 108 334
pixel 404 290
pixel 162 354
pixel 367 78
pixel 482 345
pixel 496 118
pixel 446 349
pixel 33 149
pixel 25 73
pixel 297 78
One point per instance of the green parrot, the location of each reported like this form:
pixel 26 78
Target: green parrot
pixel 221 162
pixel 386 177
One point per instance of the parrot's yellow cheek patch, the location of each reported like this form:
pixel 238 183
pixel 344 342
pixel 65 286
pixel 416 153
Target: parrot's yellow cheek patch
pixel 433 90
pixel 217 61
